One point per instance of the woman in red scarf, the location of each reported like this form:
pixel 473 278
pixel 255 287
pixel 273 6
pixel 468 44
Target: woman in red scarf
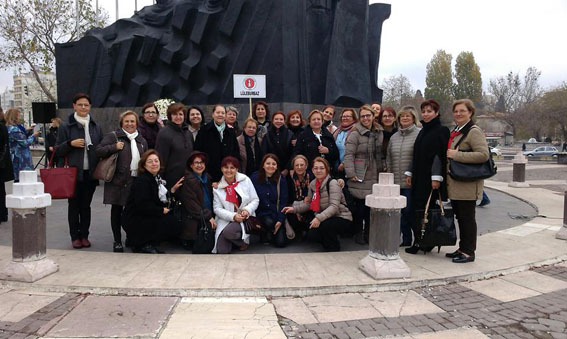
pixel 327 202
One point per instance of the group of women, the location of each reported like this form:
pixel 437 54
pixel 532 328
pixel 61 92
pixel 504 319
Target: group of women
pixel 295 178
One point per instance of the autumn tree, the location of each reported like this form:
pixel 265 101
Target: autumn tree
pixel 439 81
pixel 554 106
pixel 397 91
pixel 29 30
pixel 468 81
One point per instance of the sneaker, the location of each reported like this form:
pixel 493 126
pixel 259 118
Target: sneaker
pixel 117 247
pixel 85 242
pixel 77 243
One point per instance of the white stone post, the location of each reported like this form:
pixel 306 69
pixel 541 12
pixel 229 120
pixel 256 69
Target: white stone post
pixel 519 171
pixel 28 202
pixel 562 233
pixel 383 260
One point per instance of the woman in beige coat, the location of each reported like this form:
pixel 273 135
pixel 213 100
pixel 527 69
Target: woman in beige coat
pixel 326 201
pixel 467 144
pixel 362 163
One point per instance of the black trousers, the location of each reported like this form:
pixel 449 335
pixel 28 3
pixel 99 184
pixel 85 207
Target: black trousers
pixel 328 233
pixel 465 211
pixel 79 211
pixel 3 209
pixel 279 239
pixel 116 222
pixel 360 214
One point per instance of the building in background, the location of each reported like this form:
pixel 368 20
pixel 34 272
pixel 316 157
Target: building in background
pixel 26 90
pixel 498 132
pixel 7 98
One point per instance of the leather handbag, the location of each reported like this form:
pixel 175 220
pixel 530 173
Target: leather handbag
pixel 437 226
pixel 461 171
pixel 106 167
pixel 60 182
pixel 252 225
pixel 205 240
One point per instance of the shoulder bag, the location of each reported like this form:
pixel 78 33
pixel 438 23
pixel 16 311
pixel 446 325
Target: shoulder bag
pixel 106 167
pixel 461 171
pixel 59 181
pixel 205 240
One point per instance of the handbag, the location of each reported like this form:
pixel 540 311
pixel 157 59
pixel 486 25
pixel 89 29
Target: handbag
pixel 60 181
pixel 461 171
pixel 252 225
pixel 437 226
pixel 106 166
pixel 205 240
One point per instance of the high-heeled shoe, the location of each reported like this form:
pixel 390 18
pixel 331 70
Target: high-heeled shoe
pixel 412 250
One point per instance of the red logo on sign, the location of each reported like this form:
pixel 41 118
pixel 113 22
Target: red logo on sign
pixel 249 83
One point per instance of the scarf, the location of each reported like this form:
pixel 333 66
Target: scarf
pixel 84 121
pixel 451 137
pixel 301 186
pixel 162 191
pixel 231 195
pixel 252 150
pixel 220 129
pixel 206 198
pixel 135 152
pixel 344 127
pixel 316 199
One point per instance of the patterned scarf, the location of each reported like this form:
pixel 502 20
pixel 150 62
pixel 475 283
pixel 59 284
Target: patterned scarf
pixel 301 186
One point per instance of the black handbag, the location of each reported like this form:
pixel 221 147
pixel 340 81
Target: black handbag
pixel 205 240
pixel 461 171
pixel 437 226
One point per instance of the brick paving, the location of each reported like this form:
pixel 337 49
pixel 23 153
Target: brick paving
pixel 542 317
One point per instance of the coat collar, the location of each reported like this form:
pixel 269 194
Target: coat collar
pixel 407 130
pixel 239 177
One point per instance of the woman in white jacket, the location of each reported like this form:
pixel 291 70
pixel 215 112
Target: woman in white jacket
pixel 235 200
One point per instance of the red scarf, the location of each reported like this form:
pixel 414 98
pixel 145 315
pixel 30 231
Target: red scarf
pixel 316 199
pixel 231 195
pixel 451 137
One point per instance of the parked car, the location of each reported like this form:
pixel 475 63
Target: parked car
pixel 495 151
pixel 542 151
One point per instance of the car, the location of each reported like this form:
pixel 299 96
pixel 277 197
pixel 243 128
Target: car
pixel 542 151
pixel 495 151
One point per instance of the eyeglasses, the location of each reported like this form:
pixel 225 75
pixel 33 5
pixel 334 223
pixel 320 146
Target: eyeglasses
pixel 83 105
pixel 150 112
pixel 365 116
pixel 387 117
pixel 198 163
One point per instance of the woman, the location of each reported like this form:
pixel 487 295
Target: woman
pixel 196 196
pixel 387 119
pixel 231 119
pixel 196 120
pixel 399 155
pixel 429 162
pixel 362 164
pixel 217 141
pixel 295 123
pixel 51 139
pixel 298 181
pixel 235 200
pixel 377 108
pixel 328 115
pixel 174 144
pixel 348 118
pixel 19 141
pixel 271 188
pixel 261 113
pixel 331 216
pixel 278 141
pixel 6 171
pixel 129 144
pixel 249 145
pixel 149 126
pixel 467 144
pixel 146 215
pixel 316 141
pixel 77 141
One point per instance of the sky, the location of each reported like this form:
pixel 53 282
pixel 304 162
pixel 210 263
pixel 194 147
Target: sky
pixel 503 35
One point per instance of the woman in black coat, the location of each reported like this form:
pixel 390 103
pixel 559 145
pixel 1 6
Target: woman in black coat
pixel 51 138
pixel 316 141
pixel 278 141
pixel 429 164
pixel 6 171
pixel 146 215
pixel 209 141
pixel 174 144
pixel 116 191
pixel 295 123
pixel 149 125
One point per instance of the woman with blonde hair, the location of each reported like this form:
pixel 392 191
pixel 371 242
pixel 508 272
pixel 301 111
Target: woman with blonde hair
pixel 20 139
pixel 316 141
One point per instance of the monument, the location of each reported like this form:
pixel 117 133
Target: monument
pixel 311 51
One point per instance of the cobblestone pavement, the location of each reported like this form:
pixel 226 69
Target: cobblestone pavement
pixel 543 316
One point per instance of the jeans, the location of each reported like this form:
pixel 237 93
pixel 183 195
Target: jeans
pixel 328 233
pixel 360 214
pixel 408 217
pixel 79 211
pixel 280 238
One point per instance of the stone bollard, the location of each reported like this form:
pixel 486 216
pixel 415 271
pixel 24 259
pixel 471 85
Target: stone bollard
pixel 519 171
pixel 28 202
pixel 383 260
pixel 562 233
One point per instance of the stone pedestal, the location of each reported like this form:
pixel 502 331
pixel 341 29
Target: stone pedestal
pixel 383 260
pixel 519 171
pixel 562 233
pixel 28 202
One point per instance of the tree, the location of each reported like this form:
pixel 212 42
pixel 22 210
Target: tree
pixel 439 80
pixel 31 28
pixel 554 103
pixel 506 90
pixel 397 91
pixel 468 79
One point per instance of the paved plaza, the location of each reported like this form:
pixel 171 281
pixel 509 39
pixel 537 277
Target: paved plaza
pixel 517 287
